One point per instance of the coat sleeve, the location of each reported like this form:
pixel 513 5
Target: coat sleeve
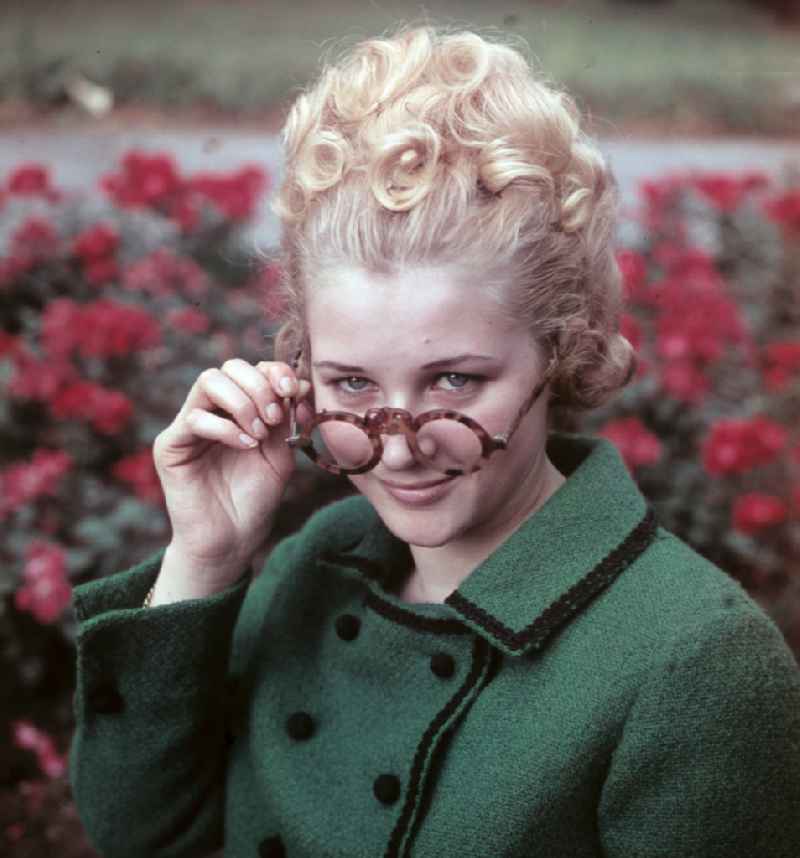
pixel 148 756
pixel 708 764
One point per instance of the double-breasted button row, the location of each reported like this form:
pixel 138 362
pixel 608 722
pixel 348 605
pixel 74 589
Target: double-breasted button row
pixel 348 626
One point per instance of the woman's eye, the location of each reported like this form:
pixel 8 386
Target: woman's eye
pixel 351 384
pixel 457 380
pixel 453 381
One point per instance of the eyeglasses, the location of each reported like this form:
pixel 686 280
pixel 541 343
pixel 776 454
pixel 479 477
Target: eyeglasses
pixel 449 442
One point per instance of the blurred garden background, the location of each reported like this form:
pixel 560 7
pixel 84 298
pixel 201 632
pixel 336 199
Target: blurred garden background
pixel 138 151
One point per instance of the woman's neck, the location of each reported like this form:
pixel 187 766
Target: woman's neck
pixel 437 572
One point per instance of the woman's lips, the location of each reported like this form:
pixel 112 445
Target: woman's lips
pixel 417 497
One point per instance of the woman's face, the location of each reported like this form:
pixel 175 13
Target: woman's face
pixel 381 332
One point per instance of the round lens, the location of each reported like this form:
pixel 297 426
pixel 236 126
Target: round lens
pixel 342 444
pixel 449 445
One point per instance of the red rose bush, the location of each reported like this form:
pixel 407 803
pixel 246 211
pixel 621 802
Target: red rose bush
pixel 112 301
pixel 710 424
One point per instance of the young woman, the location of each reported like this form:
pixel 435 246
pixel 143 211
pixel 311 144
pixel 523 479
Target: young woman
pixel 493 649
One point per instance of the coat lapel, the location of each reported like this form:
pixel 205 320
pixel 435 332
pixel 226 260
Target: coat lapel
pixel 584 536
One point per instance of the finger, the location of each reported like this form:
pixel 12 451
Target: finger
pixel 216 390
pixel 257 386
pixel 276 372
pixel 216 428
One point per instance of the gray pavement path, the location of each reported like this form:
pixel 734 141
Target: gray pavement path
pixel 77 158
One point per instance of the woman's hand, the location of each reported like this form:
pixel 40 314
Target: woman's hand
pixel 224 463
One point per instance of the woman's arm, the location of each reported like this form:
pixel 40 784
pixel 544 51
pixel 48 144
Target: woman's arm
pixel 148 758
pixel 708 765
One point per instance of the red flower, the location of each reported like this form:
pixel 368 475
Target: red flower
pixel 29 737
pixel 697 320
pixel 186 213
pixel 60 327
pixel 785 210
pixel 100 271
pixel 659 197
pixel 781 364
pixel 635 442
pixel 108 411
pixel 684 381
pixel 112 329
pixel 234 195
pixel 188 319
pixel 38 379
pixel 8 344
pixel 33 242
pixel 634 272
pixel 46 591
pixel 755 511
pixel 165 273
pixel 735 446
pixel 23 482
pixel 146 180
pixel 726 191
pixel 30 180
pixel 97 242
pixel 140 473
pixel 631 329
pixel 95 248
pixel 113 411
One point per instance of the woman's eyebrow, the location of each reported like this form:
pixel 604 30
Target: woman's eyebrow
pixel 342 367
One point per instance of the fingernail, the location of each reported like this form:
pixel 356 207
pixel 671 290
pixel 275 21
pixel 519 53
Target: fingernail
pixel 286 385
pixel 247 440
pixel 259 428
pixel 273 413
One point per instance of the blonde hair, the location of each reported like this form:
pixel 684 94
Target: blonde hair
pixel 434 147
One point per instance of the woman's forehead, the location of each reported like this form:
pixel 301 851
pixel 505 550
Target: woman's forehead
pixel 375 325
pixel 423 302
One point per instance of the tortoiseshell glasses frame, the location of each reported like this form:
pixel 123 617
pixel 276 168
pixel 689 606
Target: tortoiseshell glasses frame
pixel 395 421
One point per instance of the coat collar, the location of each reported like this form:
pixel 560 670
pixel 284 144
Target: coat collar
pixel 591 529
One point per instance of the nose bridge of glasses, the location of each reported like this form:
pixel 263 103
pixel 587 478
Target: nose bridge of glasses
pixel 389 421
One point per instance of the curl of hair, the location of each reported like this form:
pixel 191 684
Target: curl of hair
pixel 431 147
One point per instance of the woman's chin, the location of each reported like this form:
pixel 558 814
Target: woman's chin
pixel 426 528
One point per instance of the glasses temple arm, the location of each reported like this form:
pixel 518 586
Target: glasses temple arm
pixel 526 406
pixel 293 436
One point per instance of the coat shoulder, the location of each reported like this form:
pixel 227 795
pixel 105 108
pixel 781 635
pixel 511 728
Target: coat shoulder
pixel 673 591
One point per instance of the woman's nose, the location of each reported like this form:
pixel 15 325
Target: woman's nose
pixel 397 455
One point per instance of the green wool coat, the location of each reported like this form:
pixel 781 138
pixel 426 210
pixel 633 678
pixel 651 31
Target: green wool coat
pixel 594 688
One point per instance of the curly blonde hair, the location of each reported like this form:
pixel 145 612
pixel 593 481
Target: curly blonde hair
pixel 435 147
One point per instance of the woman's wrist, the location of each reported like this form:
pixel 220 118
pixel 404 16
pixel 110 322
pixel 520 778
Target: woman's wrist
pixel 181 578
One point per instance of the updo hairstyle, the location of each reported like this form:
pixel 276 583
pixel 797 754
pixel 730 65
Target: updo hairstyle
pixel 433 147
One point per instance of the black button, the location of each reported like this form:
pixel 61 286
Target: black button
pixel 347 626
pixel 300 725
pixel 106 699
pixel 386 788
pixel 443 665
pixel 271 847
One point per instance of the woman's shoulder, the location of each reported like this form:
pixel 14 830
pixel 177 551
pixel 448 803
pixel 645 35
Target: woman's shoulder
pixel 673 595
